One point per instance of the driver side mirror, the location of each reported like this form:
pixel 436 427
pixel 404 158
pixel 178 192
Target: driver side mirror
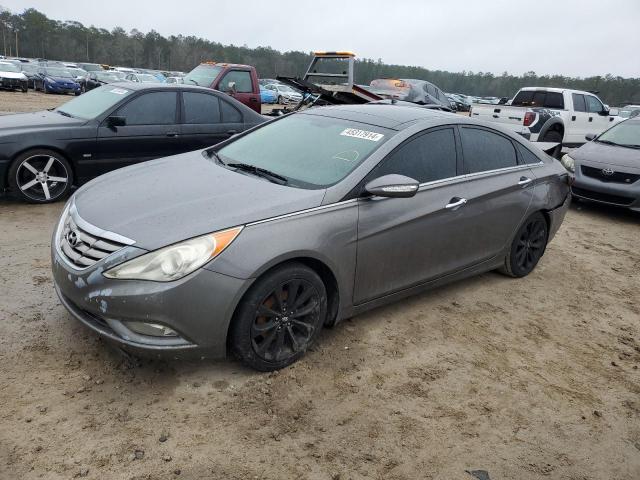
pixel 115 121
pixel 614 112
pixel 590 136
pixel 392 186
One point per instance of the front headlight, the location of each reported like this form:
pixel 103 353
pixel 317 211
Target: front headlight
pixel 568 163
pixel 175 261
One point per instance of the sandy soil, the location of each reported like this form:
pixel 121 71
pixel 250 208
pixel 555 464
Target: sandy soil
pixel 526 379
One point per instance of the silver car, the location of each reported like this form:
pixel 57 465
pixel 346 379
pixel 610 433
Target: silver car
pixel 607 168
pixel 252 246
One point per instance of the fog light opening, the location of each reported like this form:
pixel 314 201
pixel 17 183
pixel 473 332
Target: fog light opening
pixel 151 329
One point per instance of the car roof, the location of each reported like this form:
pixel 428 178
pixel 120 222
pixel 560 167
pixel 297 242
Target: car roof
pixel 558 90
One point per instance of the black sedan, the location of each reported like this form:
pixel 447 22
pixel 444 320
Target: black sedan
pixel 96 79
pixel 45 153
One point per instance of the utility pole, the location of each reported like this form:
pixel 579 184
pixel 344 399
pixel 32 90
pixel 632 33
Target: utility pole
pixel 17 54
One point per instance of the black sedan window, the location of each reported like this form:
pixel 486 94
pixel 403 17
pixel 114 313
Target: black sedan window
pixel 154 108
pixel 310 151
pixel 201 108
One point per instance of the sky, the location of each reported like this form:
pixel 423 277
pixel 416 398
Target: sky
pixel 568 37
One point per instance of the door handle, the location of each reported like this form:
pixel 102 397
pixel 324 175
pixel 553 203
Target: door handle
pixel 172 134
pixel 231 132
pixel 524 181
pixel 591 119
pixel 455 203
pixel 253 99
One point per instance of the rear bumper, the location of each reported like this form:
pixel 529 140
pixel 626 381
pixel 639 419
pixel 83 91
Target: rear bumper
pixel 556 217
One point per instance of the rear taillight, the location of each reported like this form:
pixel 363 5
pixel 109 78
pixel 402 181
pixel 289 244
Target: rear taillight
pixel 529 118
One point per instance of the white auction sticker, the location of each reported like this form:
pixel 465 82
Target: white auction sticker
pixel 119 91
pixel 363 134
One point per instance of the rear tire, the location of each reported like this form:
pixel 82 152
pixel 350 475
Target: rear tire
pixel 279 317
pixel 527 248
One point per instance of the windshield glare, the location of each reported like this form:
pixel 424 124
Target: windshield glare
pixel 94 102
pixel 203 75
pixel 8 67
pixel 106 76
pixel 311 151
pixel 58 72
pixel 624 133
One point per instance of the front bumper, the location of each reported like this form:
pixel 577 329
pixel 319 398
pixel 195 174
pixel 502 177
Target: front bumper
pixel 52 87
pixel 198 307
pixel 609 193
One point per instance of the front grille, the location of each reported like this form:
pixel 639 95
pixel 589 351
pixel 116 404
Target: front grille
pixel 602 197
pixel 615 177
pixel 10 82
pixel 82 248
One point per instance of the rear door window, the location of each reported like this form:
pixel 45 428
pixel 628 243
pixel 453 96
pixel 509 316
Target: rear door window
pixel 154 108
pixel 484 150
pixel 201 108
pixel 426 158
pixel 579 104
pixel 230 114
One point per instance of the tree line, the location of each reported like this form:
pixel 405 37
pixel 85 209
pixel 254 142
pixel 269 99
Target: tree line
pixel 32 34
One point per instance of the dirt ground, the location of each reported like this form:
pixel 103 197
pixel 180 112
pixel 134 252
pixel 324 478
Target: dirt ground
pixel 525 379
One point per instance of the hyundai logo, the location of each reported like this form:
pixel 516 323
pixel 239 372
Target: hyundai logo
pixel 72 238
pixel 607 172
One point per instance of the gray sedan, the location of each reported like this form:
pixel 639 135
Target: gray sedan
pixel 607 169
pixel 252 246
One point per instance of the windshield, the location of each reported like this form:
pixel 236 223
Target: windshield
pixel 58 72
pixel 310 151
pixel 626 134
pixel 109 76
pixel 147 78
pixel 94 102
pixel 203 75
pixel 78 72
pixel 8 67
pixel 29 67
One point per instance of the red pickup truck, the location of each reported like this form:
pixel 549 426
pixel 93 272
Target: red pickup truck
pixel 239 81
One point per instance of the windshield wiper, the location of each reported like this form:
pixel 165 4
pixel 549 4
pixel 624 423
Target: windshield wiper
pixel 607 142
pixel 192 80
pixel 261 172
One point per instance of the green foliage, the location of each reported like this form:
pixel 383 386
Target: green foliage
pixel 41 37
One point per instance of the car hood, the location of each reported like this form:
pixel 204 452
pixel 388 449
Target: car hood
pixel 18 75
pixel 61 79
pixel 594 152
pixel 164 201
pixel 44 119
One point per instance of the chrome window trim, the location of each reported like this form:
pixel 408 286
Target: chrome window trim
pixel 97 231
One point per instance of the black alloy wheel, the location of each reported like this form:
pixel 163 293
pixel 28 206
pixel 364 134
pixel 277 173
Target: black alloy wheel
pixel 285 320
pixel 528 247
pixel 40 176
pixel 279 317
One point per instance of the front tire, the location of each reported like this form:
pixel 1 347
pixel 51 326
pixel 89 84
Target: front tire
pixel 527 248
pixel 279 317
pixel 40 176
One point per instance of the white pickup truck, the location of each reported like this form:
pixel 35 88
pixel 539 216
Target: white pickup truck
pixel 554 115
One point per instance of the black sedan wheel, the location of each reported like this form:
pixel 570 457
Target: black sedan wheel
pixel 279 318
pixel 528 247
pixel 40 176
